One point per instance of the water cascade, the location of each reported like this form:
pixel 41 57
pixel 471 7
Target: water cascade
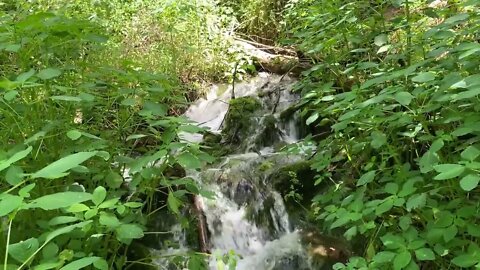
pixel 248 215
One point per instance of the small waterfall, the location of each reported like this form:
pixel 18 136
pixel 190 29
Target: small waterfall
pixel 247 216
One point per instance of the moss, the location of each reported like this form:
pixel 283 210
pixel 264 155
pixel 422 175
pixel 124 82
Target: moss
pixel 238 121
pixel 270 133
pixel 299 178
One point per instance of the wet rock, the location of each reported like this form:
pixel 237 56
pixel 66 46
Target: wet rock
pixel 243 192
pixel 239 120
pixel 323 250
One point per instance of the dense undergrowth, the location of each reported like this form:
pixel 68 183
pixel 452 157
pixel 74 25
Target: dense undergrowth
pixel 393 96
pixel 87 90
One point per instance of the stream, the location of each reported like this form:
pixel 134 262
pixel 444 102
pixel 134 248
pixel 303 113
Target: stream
pixel 247 216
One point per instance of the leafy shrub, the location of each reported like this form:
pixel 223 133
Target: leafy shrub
pixel 70 125
pixel 398 84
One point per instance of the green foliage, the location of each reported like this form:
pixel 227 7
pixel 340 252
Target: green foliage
pixel 399 81
pixel 88 143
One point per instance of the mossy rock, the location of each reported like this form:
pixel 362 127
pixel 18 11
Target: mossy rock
pixel 239 119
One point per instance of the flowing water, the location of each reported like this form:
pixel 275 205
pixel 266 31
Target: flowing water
pixel 247 216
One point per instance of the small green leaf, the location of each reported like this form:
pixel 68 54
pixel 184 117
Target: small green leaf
pixel 114 180
pixel 312 118
pixel 425 254
pixel 66 98
pixel 129 231
pixel 448 171
pixel 173 203
pixel 366 178
pixel 381 39
pixel 135 136
pixel 14 175
pixel 189 161
pixel 22 250
pixel 469 182
pixel 109 220
pixel 384 207
pixel 133 204
pixel 74 134
pixel 9 203
pixel 466 260
pixel 78 207
pixel 99 195
pixel 101 264
pixel 401 260
pixel 14 158
pixel 49 73
pixel 424 77
pixel 404 98
pixel 58 168
pixel 80 263
pixel 91 213
pixel 470 153
pixel 378 139
pixel 416 201
pixel 62 220
pixel 60 200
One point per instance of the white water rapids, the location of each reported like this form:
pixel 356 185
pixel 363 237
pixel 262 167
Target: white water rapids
pixel 269 245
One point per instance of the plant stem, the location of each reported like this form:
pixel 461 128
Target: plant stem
pixel 8 243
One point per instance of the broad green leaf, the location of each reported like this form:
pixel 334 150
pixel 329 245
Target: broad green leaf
pixel 25 191
pixel 114 180
pixel 66 98
pixel 378 139
pixel 312 118
pixel 450 233
pixel 466 260
pixel 129 231
pixel 59 168
pixel 78 207
pixel 470 153
pixel 448 171
pixel 416 201
pixel 189 161
pixel 424 254
pixel 133 204
pixel 91 213
pixel 47 266
pixel 381 39
pixel 391 188
pixel 60 200
pixel 99 195
pixel 109 220
pixel 50 251
pixel 469 182
pixel 401 260
pixel 14 158
pixel 22 250
pixel 384 206
pixel 173 203
pixel 404 98
pixel 384 256
pixel 49 73
pixel 64 230
pixel 14 175
pixel 135 136
pixel 25 76
pixel 424 77
pixel 9 203
pixel 80 263
pixel 10 95
pixel 366 178
pixel 74 134
pixel 62 220
pixel 101 264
